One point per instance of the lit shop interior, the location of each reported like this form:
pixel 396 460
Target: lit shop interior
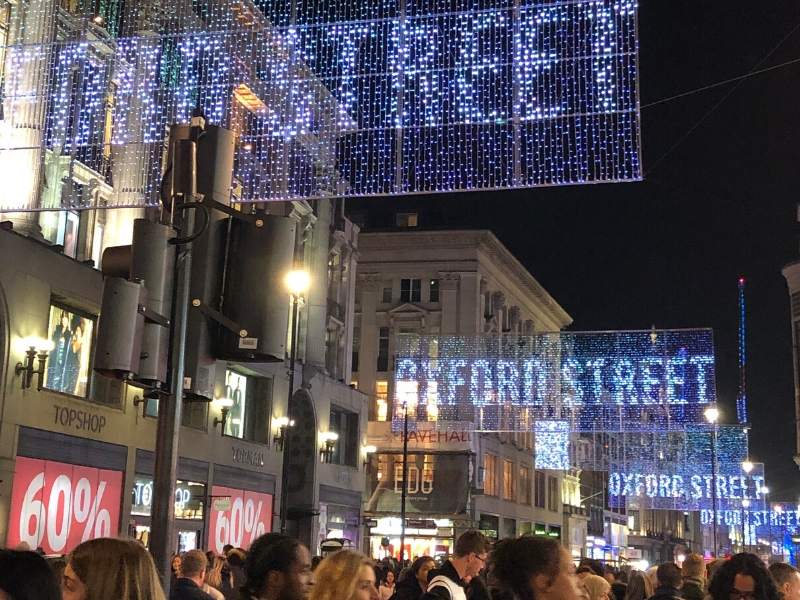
pixel 424 537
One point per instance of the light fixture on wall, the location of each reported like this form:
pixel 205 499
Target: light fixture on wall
pixel 225 409
pixel 367 450
pixel 35 349
pixel 282 424
pixel 328 439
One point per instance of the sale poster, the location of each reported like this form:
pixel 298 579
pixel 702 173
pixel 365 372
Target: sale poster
pixel 56 506
pixel 238 517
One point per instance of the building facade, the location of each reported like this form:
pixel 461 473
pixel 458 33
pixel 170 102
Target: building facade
pixel 792 274
pixel 447 282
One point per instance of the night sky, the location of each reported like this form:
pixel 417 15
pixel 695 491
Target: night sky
pixel 721 203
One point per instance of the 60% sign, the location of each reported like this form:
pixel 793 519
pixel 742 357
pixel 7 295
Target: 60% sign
pixel 69 509
pixel 241 525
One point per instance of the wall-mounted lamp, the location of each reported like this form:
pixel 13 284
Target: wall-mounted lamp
pixel 35 349
pixel 328 439
pixel 225 408
pixel 282 424
pixel 367 450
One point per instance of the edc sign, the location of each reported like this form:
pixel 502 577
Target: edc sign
pixel 603 381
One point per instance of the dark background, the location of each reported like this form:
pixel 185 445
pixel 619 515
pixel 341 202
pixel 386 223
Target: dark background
pixel 716 204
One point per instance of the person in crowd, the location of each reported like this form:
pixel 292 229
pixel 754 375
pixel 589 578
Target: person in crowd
pixel 712 568
pixel 175 565
pixel 743 577
pixel 584 570
pixel 25 575
pixel 693 570
pixel 651 575
pixel 413 583
pixel 639 587
pixel 227 548
pixel 533 568
pixel 386 589
pixel 469 557
pixel 597 587
pixel 595 565
pixel 345 575
pixel 277 566
pixel 189 586
pixel 109 568
pixel 787 578
pixel 218 578
pixel 233 575
pixel 669 578
pixel 617 580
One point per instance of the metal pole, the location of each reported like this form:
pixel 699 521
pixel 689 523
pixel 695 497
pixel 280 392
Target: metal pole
pixel 287 437
pixel 170 408
pixel 714 485
pixel 405 485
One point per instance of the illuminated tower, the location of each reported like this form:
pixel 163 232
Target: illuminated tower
pixel 741 398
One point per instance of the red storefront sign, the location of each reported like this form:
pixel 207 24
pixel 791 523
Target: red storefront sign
pixel 240 521
pixel 56 506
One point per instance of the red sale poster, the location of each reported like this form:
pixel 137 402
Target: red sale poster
pixel 238 517
pixel 56 506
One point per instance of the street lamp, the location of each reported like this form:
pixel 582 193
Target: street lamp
pixel 297 284
pixel 712 416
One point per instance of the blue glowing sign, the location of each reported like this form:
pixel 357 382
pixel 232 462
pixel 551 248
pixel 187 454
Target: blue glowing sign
pixel 335 97
pixel 606 381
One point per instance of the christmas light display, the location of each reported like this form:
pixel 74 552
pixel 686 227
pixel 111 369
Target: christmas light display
pixel 597 381
pixel 332 97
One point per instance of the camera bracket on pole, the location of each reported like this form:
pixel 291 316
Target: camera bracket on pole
pixel 217 316
pixel 229 210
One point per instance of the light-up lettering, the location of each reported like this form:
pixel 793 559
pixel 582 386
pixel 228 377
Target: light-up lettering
pixel 663 485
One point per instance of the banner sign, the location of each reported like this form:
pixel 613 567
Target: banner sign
pixel 56 506
pixel 592 381
pixel 333 98
pixel 240 519
pixel 437 484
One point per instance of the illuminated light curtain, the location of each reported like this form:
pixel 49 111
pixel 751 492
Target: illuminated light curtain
pixel 372 98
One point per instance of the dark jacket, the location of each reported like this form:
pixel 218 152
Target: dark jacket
pixel 440 593
pixel 666 593
pixel 407 589
pixel 693 588
pixel 186 589
pixel 618 588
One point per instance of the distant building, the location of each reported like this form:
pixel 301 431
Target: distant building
pixel 792 274
pixel 447 282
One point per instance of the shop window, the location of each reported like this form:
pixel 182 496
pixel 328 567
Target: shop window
pixel 248 417
pixel 382 364
pixel 509 480
pixel 410 219
pixel 434 291
pixel 68 364
pixel 344 423
pixel 381 400
pixel 490 474
pixel 552 494
pixel 525 485
pixel 190 498
pixel 539 489
pixel 410 290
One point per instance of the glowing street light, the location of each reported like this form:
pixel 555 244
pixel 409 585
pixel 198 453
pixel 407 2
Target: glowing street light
pixel 747 466
pixel 297 282
pixel 712 414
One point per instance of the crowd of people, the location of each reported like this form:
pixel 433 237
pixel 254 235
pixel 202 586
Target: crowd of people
pixel 279 567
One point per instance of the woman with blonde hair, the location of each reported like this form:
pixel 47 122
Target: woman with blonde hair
pixel 107 568
pixel 345 575
pixel 597 587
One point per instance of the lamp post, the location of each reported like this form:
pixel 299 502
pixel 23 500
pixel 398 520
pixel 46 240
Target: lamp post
pixel 765 492
pixel 297 283
pixel 747 467
pixel 712 416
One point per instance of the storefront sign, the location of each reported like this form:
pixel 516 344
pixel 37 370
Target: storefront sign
pixel 189 498
pixel 79 419
pixel 56 506
pixel 425 435
pixel 249 516
pixel 435 483
pixel 246 456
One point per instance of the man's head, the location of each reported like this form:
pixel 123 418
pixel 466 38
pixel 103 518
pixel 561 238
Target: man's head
pixel 788 580
pixel 694 566
pixel 471 551
pixel 669 575
pixel 278 568
pixel 193 566
pixel 610 574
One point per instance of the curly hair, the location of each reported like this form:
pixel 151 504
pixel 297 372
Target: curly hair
pixel 515 560
pixel 270 552
pixel 721 585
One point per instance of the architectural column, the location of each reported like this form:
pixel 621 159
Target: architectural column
pixel 469 304
pixel 368 349
pixel 27 74
pixel 317 303
pixel 448 297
